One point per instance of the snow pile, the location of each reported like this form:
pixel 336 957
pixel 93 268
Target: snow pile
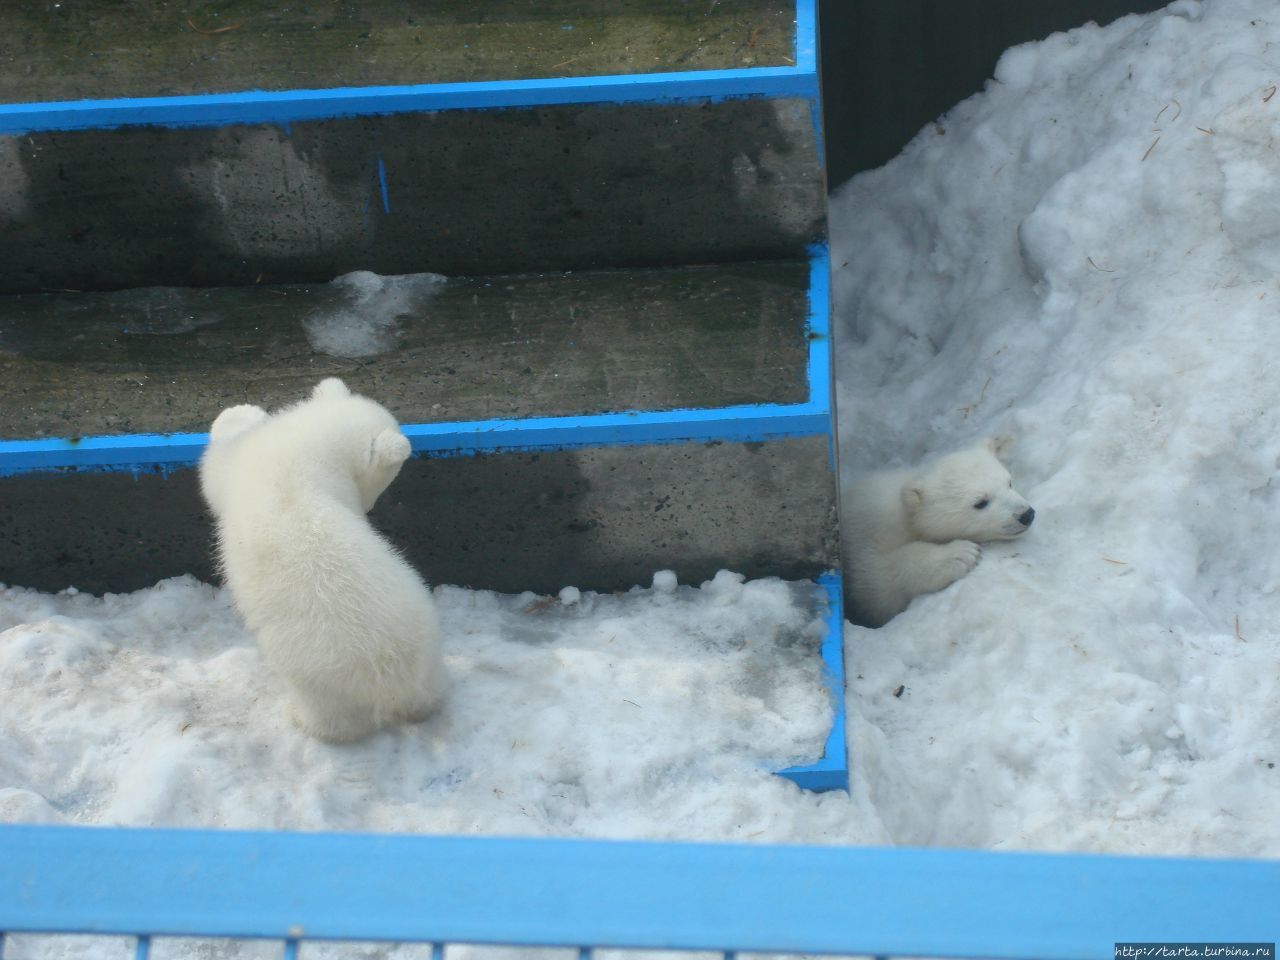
pixel 1084 258
pixel 654 713
pixel 363 319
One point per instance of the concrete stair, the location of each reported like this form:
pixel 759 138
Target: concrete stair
pixel 597 302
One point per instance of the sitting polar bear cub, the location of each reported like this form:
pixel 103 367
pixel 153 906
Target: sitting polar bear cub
pixel 343 619
pixel 916 531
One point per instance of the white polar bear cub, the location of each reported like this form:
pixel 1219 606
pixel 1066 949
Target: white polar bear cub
pixel 339 614
pixel 909 532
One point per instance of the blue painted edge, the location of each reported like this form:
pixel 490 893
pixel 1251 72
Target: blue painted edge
pixel 382 186
pixel 158 452
pixel 552 892
pixel 808 58
pixel 818 325
pixel 806 45
pixel 831 771
pixel 290 106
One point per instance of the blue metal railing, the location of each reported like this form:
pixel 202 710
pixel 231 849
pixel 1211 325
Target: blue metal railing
pixel 596 894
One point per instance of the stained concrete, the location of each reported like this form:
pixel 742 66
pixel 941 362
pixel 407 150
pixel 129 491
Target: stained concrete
pixel 105 48
pixel 162 360
pixel 599 519
pixel 467 193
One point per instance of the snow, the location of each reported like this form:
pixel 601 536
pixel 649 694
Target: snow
pixel 650 713
pixel 1083 259
pixel 362 320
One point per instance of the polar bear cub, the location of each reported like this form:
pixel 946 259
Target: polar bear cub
pixel 909 532
pixel 338 613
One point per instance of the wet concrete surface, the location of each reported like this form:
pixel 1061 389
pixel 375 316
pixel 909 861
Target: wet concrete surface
pixel 104 48
pixel 163 360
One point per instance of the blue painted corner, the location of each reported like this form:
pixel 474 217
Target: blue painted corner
pixel 831 772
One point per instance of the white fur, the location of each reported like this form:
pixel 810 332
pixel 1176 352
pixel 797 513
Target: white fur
pixel 339 614
pixel 909 532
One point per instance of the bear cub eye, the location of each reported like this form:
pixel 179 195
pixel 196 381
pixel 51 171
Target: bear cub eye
pixel 982 504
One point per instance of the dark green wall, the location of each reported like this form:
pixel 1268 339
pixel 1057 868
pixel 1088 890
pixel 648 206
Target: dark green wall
pixel 891 66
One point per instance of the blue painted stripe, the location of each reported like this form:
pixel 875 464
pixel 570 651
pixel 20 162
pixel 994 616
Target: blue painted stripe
pixel 818 325
pixel 289 106
pixel 806 48
pixel 382 186
pixel 728 424
pixel 831 771
pixel 735 424
pixel 807 58
pixel 638 895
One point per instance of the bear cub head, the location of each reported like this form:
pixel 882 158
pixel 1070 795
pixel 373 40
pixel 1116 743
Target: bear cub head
pixel 365 433
pixel 967 495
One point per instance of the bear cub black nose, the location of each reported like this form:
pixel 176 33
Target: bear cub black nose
pixel 1026 518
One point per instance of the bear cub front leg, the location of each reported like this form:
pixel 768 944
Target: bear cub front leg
pixel 928 567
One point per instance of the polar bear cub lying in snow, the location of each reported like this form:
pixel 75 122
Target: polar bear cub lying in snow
pixel 910 532
pixel 343 619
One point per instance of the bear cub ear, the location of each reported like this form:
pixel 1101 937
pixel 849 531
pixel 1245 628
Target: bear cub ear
pixel 390 448
pixel 912 496
pixel 234 421
pixel 998 446
pixel 331 388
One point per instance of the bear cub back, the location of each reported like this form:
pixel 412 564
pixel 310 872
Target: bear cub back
pixel 340 616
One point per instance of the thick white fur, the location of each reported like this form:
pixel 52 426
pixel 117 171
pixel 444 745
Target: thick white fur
pixel 909 532
pixel 339 614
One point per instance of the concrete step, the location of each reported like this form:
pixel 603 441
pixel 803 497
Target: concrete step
pixel 164 360
pixel 458 192
pixel 103 48
pixel 717 452
pixel 600 518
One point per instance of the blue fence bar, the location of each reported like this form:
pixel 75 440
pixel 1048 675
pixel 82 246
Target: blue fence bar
pixel 567 893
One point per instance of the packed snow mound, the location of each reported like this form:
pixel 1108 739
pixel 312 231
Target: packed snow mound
pixel 653 713
pixel 1084 258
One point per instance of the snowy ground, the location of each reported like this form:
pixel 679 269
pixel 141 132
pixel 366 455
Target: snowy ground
pixel 656 713
pixel 1083 258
